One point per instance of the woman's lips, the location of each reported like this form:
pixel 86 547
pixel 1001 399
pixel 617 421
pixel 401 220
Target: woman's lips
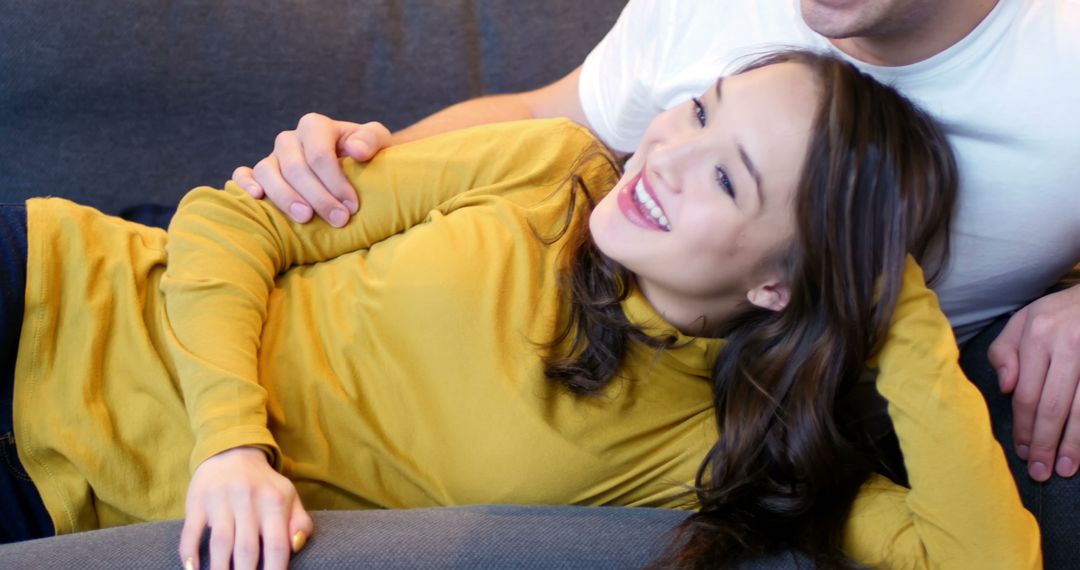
pixel 639 206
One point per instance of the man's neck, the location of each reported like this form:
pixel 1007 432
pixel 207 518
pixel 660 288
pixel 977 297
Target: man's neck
pixel 922 40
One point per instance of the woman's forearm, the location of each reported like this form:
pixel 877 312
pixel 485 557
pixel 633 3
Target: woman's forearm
pixel 963 509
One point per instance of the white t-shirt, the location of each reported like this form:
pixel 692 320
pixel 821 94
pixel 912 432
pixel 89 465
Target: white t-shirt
pixel 1007 95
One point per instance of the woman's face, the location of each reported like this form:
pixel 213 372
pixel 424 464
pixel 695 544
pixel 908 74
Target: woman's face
pixel 707 196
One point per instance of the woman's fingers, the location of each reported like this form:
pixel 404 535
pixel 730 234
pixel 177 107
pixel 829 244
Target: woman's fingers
pixel 242 530
pixel 275 540
pixel 300 525
pixel 221 542
pixel 190 536
pixel 253 512
pixel 245 550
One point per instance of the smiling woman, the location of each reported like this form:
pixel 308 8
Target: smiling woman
pixel 692 192
pixel 775 211
pixel 707 325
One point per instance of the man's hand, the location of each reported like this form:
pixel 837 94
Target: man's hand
pixel 242 499
pixel 1037 356
pixel 303 176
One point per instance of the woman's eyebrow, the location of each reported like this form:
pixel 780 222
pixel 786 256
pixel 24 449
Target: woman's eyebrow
pixel 747 162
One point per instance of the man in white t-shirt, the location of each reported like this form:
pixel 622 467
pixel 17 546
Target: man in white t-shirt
pixel 1002 77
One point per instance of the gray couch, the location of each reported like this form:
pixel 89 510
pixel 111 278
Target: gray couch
pixel 120 102
pixel 458 537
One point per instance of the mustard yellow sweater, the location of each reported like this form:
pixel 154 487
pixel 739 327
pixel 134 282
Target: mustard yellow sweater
pixel 395 362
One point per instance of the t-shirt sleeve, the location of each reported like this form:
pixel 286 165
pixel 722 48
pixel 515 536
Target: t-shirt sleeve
pixel 616 86
pixel 963 509
pixel 226 249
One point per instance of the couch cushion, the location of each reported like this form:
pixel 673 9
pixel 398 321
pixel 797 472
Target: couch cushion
pixel 458 537
pixel 126 101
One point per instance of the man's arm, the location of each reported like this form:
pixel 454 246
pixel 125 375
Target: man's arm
pixel 303 176
pixel 559 99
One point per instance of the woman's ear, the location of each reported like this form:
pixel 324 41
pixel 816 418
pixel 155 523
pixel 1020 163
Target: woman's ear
pixel 771 295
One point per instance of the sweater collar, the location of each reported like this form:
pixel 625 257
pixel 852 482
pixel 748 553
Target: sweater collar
pixel 690 354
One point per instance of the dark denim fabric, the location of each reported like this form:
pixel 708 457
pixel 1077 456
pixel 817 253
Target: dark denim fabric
pixel 1056 503
pixel 24 515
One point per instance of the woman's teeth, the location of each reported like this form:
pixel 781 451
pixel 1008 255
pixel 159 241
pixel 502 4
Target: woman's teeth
pixel 649 206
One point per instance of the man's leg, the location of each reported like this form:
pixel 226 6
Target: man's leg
pixel 1056 503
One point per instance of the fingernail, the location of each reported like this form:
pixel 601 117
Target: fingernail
pixel 189 564
pixel 338 217
pixel 299 540
pixel 1022 452
pixel 1065 467
pixel 300 212
pixel 350 205
pixel 1038 471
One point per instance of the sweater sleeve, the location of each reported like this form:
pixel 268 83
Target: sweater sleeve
pixel 225 251
pixel 963 509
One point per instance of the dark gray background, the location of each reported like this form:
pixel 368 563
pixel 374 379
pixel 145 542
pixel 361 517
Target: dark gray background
pixel 119 102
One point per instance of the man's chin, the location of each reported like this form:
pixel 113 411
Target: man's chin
pixel 833 19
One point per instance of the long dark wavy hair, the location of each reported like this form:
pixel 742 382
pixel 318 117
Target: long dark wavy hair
pixel 878 182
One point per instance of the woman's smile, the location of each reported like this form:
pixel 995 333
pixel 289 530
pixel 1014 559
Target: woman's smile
pixel 638 203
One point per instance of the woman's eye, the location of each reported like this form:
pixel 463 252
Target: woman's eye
pixel 724 182
pixel 699 110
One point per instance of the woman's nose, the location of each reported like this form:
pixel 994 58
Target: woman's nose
pixel 672 158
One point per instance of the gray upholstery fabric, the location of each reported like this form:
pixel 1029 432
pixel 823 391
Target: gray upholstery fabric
pixel 464 537
pixel 460 537
pixel 121 102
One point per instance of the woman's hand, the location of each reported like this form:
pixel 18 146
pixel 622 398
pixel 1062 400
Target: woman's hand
pixel 242 499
